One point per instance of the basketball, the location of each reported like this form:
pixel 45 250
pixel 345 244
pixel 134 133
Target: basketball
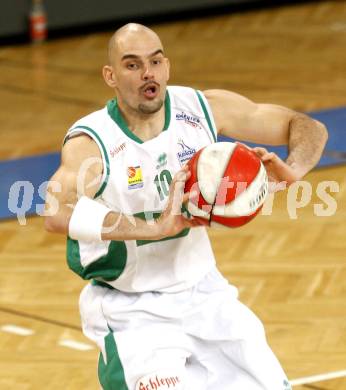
pixel 230 182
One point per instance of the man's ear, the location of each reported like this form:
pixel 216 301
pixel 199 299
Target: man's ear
pixel 109 76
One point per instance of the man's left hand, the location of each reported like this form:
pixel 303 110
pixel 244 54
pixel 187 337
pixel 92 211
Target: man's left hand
pixel 280 174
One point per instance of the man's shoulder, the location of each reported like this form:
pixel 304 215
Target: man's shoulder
pixel 92 120
pixel 188 98
pixel 180 89
pixel 181 95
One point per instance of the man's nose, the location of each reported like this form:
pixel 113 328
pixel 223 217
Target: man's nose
pixel 147 73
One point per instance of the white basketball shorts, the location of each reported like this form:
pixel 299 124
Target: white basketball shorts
pixel 202 338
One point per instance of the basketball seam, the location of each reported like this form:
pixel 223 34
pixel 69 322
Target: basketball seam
pixel 217 190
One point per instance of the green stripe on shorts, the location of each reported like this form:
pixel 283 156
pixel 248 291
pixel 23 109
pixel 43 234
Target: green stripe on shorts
pixel 111 375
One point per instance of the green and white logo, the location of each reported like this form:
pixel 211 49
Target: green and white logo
pixel 161 161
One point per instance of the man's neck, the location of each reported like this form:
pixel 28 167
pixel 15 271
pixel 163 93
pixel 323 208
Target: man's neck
pixel 144 126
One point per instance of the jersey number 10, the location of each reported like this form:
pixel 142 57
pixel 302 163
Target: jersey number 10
pixel 162 182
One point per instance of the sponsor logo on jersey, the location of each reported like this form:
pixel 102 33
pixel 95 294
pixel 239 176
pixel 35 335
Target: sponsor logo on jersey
pixel 191 120
pixel 134 177
pixel 185 153
pixel 161 161
pixel 158 382
pixel 119 148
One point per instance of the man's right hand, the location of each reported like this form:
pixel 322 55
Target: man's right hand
pixel 171 222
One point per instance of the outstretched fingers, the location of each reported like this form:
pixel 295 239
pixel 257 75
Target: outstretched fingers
pixel 172 220
pixel 176 191
pixel 264 155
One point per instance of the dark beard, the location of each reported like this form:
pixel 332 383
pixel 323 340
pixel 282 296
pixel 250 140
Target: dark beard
pixel 150 109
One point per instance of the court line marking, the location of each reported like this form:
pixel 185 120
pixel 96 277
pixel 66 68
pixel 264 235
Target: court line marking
pixel 75 345
pixel 39 318
pixel 14 329
pixel 19 330
pixel 318 378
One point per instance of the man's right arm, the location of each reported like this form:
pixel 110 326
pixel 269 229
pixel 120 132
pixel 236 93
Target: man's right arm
pixel 80 175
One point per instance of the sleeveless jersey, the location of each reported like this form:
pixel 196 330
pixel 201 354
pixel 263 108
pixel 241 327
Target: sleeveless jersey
pixel 136 178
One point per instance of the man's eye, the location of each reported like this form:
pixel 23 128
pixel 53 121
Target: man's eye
pixel 156 62
pixel 132 66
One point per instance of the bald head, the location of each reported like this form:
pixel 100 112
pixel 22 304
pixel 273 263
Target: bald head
pixel 138 70
pixel 127 36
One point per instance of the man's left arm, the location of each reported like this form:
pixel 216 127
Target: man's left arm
pixel 240 118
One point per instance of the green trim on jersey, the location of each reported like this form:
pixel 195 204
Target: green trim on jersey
pixel 167 112
pixel 108 267
pixel 115 114
pixel 93 132
pixel 111 375
pixel 183 233
pixel 153 215
pixel 206 113
pixel 95 282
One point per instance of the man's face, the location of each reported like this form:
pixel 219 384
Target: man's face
pixel 141 73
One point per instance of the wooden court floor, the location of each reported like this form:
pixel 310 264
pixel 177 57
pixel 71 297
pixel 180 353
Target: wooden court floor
pixel 291 272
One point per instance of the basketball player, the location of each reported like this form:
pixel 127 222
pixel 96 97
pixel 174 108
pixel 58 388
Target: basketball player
pixel 157 307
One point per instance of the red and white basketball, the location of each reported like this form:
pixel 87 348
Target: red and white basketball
pixel 231 185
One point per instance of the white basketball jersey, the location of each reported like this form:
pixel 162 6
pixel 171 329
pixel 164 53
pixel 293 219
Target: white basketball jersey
pixel 136 182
